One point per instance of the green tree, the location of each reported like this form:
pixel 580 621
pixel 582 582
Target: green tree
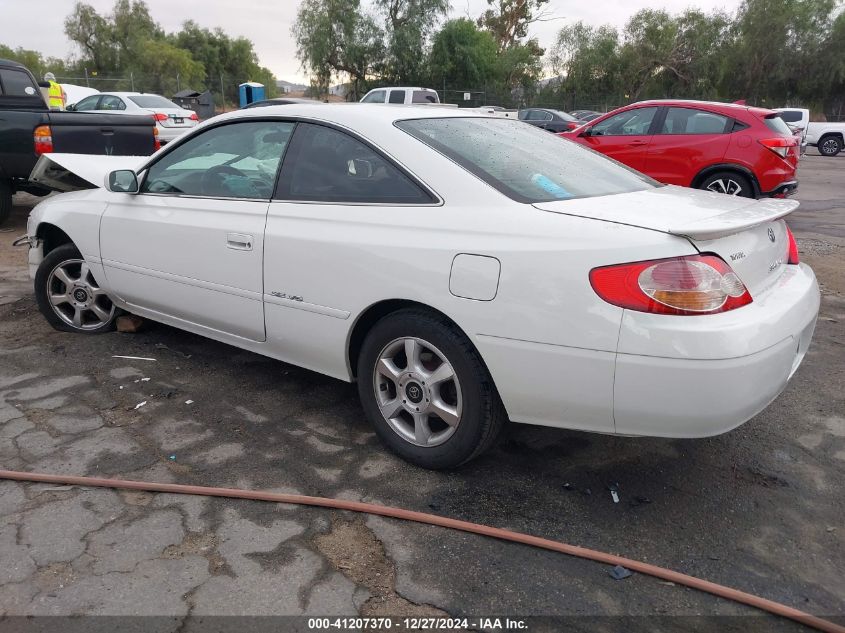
pixel 34 61
pixel 409 25
pixel 463 56
pixel 335 38
pixel 508 20
pixel 231 59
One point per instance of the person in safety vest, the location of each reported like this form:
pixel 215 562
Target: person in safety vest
pixel 56 97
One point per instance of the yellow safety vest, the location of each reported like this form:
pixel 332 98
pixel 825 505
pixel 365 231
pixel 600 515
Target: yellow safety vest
pixel 56 96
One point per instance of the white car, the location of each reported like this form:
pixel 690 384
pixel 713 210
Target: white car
pixel 462 269
pixel 171 120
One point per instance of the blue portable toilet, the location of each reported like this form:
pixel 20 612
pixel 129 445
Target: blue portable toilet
pixel 250 92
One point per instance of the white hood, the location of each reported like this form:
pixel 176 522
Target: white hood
pixel 70 172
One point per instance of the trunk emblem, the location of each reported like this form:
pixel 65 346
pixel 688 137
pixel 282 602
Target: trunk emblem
pixel 771 234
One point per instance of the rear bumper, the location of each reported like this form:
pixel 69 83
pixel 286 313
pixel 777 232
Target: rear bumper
pixel 167 134
pixel 782 190
pixel 707 382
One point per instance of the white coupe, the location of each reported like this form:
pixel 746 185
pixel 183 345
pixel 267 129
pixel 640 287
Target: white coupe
pixel 464 270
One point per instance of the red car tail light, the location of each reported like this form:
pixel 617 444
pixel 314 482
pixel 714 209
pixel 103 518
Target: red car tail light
pixel 692 285
pixel 194 116
pixel 156 142
pixel 793 248
pixel 572 125
pixel 780 145
pixel 43 137
pixel 160 116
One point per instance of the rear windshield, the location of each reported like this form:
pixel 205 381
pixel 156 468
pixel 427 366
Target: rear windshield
pixel 525 163
pixel 564 115
pixel 153 101
pixel 776 124
pixel 791 116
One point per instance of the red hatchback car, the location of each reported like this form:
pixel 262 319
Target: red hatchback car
pixel 728 148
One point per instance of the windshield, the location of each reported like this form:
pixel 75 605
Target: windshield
pixel 153 101
pixel 525 163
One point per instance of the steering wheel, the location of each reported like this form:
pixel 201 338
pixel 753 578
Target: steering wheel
pixel 212 183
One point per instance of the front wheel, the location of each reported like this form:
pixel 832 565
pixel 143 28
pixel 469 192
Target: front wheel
pixel 426 391
pixel 68 295
pixel 829 146
pixel 729 183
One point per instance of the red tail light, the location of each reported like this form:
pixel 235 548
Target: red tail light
pixel 572 125
pixel 160 116
pixel 156 142
pixel 43 137
pixel 780 145
pixel 194 116
pixel 793 248
pixel 693 285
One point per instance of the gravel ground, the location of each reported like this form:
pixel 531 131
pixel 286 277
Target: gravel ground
pixel 759 508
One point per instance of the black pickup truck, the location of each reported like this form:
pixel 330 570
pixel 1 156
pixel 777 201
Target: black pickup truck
pixel 28 129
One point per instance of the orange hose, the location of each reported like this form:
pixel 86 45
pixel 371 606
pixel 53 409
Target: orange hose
pixel 729 593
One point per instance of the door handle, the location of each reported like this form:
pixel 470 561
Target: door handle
pixel 638 143
pixel 239 241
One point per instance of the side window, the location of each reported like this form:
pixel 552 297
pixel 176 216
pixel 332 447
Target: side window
pixel 691 121
pixel 397 96
pixel 536 115
pixel 424 96
pixel 88 103
pixel 376 96
pixel 239 160
pixel 326 165
pixel 17 83
pixel 629 123
pixel 110 102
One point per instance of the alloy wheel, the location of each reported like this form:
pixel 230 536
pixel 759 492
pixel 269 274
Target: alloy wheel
pixel 830 147
pixel 417 391
pixel 728 186
pixel 76 298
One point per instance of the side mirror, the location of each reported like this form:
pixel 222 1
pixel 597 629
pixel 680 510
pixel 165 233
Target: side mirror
pixel 360 168
pixel 43 84
pixel 70 107
pixel 587 131
pixel 122 181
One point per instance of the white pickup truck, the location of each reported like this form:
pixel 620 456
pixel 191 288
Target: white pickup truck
pixel 829 138
pixel 401 94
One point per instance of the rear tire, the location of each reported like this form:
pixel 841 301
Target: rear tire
pixel 5 201
pixel 729 183
pixel 830 145
pixel 441 409
pixel 68 295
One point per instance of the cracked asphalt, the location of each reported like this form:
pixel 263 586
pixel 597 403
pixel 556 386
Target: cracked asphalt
pixel 759 509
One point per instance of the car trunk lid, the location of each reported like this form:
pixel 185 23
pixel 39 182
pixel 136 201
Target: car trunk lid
pixel 750 235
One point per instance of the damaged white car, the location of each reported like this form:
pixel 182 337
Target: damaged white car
pixel 464 270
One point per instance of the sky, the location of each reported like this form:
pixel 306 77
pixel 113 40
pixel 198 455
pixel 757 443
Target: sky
pixel 267 22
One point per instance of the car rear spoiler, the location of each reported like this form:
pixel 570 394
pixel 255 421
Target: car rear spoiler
pixel 734 221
